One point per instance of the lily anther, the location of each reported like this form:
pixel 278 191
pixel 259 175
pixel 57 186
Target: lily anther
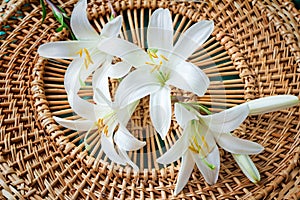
pixel 87 59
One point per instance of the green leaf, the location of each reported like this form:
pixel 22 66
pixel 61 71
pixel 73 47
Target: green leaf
pixel 43 10
pixel 61 9
pixel 111 17
pixel 59 17
pixel 66 16
pixel 60 28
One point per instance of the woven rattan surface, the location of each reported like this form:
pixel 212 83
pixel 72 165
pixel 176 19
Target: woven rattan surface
pixel 255 53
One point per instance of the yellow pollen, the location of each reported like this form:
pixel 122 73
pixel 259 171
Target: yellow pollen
pixel 100 122
pixel 192 148
pixel 196 141
pixel 164 57
pixel 152 64
pixel 195 147
pixel 204 142
pixel 86 64
pixel 79 52
pixel 102 126
pixel 152 54
pixel 105 130
pixel 87 60
pixel 88 56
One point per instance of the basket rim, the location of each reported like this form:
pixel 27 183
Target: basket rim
pixel 42 109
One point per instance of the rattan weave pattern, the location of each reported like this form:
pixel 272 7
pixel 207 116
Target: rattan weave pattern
pixel 255 46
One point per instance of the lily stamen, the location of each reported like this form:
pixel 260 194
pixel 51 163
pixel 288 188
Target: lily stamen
pixel 149 63
pixel 164 57
pixel 209 165
pixel 79 52
pixel 100 122
pixel 88 59
pixel 204 142
pixel 88 56
pixel 197 148
pixel 105 130
pixel 152 54
pixel 156 67
pixel 193 147
pixel 102 126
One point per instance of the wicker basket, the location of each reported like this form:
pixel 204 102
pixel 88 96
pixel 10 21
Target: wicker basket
pixel 254 49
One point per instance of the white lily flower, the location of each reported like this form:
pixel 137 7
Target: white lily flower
pixel 272 103
pixel 163 65
pixel 198 141
pixel 87 57
pixel 105 122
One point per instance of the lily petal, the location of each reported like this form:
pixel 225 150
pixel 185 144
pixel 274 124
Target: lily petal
pixel 79 125
pixel 63 49
pixel 125 140
pixel 77 72
pixel 71 83
pixel 119 70
pixel 112 28
pixel 160 30
pixel 101 110
pixel 135 86
pixel 272 103
pixel 210 175
pixel 125 113
pixel 187 166
pixel 177 150
pixel 227 120
pixel 99 59
pixel 238 146
pixel 248 167
pixel 101 85
pixel 80 24
pixel 193 38
pixel 129 52
pixel 125 156
pixel 82 107
pixel 187 76
pixel 161 110
pixel 110 151
pixel 183 116
pixel 112 127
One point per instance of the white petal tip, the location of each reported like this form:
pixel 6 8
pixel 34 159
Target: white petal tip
pixel 161 161
pixel 260 148
pixel 176 192
pixel 141 145
pixel 163 134
pixel 209 23
pixel 178 189
pixel 117 20
pixel 255 181
pixel 211 182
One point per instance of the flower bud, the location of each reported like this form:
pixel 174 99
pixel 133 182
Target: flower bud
pixel 272 103
pixel 247 166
